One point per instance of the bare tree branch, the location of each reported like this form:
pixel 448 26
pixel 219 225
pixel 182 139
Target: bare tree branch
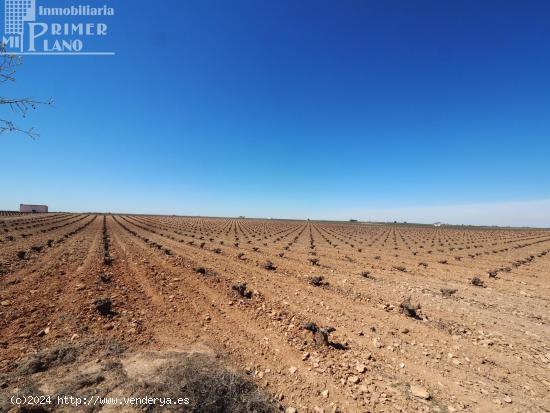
pixel 8 68
pixel 8 126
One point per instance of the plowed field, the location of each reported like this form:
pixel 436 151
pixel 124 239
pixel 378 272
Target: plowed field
pixel 172 282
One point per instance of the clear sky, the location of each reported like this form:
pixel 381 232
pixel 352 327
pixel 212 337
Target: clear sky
pixel 408 110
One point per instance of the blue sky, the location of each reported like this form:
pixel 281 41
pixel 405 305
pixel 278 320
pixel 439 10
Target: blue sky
pixel 407 110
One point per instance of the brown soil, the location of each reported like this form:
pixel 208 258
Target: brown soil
pixel 475 349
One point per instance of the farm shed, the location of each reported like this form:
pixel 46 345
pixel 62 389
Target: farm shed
pixel 33 208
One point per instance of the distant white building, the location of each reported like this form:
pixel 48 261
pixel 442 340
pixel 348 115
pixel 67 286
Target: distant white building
pixel 437 224
pixel 33 209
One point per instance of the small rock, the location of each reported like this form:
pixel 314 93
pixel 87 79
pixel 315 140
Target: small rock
pixel 353 379
pixel 420 392
pixel 293 370
pixel 324 393
pixel 507 399
pixel 5 303
pixel 42 333
pixel 291 410
pixel 361 368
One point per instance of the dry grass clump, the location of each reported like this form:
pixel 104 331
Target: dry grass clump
pixel 202 380
pixel 320 335
pixel 318 281
pixel 448 292
pixel 209 386
pixel 477 282
pixel 241 289
pixel 409 309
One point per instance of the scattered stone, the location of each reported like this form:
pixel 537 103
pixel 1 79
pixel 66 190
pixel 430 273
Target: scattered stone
pixel 44 332
pixel 325 394
pixel 353 379
pixel 293 370
pixel 361 368
pixel 420 392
